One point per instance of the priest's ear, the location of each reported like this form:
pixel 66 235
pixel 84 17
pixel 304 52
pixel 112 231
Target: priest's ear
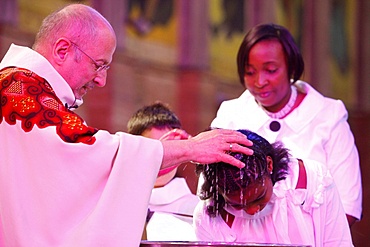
pixel 61 48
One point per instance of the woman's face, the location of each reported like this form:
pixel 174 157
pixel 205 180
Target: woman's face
pixel 252 199
pixel 266 75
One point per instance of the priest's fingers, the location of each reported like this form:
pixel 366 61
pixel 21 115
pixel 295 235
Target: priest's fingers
pixel 215 145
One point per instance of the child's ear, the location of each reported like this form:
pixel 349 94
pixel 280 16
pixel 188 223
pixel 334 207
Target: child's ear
pixel 270 165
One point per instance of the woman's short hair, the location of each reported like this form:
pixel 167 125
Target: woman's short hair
pixel 293 56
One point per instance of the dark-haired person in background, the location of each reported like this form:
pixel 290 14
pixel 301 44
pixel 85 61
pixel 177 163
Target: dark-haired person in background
pixel 172 203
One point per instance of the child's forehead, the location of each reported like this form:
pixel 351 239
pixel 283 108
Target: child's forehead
pixel 155 133
pixel 250 193
pixel 240 184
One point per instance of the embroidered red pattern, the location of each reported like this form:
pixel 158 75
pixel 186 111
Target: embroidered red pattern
pixel 27 97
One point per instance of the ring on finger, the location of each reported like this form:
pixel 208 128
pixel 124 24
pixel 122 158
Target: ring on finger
pixel 231 147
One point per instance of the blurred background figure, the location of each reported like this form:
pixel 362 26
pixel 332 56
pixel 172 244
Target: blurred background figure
pixel 232 20
pixel 148 13
pixel 172 203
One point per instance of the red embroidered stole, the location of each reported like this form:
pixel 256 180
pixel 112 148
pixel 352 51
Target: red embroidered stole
pixel 29 98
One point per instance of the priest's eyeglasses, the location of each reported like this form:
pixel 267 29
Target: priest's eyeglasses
pixel 98 67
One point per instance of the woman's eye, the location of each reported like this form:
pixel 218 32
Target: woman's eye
pixel 271 71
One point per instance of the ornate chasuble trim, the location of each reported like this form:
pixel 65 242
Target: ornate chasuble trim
pixel 29 98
